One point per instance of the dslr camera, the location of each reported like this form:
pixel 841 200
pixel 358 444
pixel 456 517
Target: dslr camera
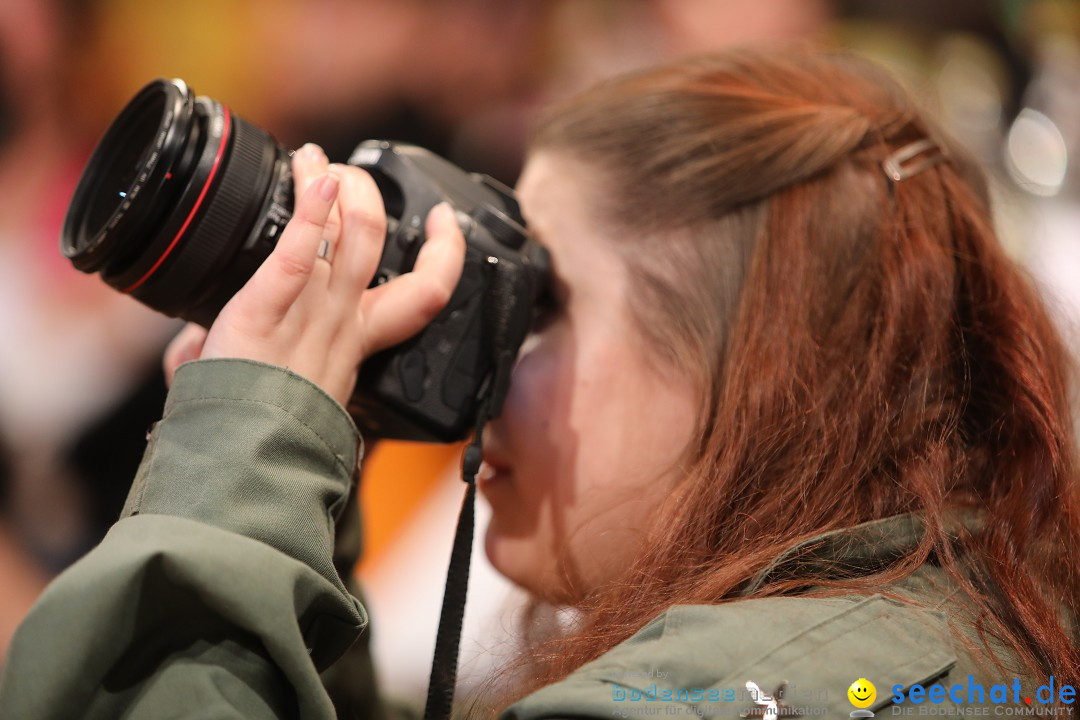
pixel 182 200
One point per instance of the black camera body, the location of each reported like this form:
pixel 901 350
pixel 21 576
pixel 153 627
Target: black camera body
pixel 429 387
pixel 182 201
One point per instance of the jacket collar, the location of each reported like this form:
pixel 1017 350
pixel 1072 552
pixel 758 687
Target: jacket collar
pixel 858 550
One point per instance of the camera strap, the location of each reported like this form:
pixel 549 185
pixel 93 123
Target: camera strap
pixel 444 662
pixel 440 698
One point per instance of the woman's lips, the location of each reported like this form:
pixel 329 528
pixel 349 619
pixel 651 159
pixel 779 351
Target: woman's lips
pixel 490 473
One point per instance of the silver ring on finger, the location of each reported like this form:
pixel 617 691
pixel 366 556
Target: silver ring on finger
pixel 326 251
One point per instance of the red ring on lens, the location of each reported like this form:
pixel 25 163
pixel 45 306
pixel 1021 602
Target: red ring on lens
pixel 198 202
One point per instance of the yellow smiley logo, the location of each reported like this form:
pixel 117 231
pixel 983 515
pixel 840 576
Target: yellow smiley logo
pixel 862 693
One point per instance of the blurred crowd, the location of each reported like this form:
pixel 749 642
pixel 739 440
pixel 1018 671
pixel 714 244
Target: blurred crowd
pixel 80 380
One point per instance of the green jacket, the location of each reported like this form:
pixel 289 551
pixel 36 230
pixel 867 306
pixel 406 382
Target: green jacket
pixel 216 595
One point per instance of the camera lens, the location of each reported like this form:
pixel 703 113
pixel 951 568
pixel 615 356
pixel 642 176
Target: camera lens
pixel 180 202
pixel 122 166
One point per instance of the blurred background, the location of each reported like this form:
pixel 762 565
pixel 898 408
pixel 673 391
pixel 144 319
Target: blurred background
pixel 79 364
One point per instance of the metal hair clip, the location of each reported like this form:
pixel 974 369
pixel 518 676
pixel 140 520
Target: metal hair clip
pixel 894 164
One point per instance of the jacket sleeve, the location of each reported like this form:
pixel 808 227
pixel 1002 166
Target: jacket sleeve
pixel 215 595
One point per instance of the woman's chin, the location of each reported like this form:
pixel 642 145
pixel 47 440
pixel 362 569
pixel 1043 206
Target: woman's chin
pixel 511 557
pixel 500 552
pixel 516 558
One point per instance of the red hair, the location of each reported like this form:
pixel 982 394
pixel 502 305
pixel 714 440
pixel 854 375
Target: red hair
pixel 863 346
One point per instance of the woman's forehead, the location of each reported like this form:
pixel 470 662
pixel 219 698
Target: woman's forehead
pixel 535 186
pixel 554 194
pixel 557 199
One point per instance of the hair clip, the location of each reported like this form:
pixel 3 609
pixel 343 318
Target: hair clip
pixel 895 168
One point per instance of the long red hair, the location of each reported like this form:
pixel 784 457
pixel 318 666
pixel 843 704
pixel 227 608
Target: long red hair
pixel 863 346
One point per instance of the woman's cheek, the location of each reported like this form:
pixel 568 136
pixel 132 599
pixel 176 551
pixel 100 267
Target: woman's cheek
pixel 537 409
pixel 533 433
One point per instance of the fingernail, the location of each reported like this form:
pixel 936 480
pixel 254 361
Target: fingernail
pixel 444 214
pixel 311 151
pixel 328 190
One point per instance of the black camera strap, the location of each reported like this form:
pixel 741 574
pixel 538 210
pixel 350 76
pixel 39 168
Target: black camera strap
pixel 444 662
pixel 440 698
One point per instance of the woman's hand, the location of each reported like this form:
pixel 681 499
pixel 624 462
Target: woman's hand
pixel 315 315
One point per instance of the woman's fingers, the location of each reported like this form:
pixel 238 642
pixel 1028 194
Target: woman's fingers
pixel 185 347
pixel 363 233
pixel 315 315
pixel 309 163
pixel 396 311
pixel 285 273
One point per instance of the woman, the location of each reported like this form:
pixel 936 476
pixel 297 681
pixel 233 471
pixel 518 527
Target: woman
pixel 797 424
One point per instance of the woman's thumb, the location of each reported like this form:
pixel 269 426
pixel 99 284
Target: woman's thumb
pixel 185 347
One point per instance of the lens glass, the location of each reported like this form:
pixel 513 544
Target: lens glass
pixel 124 162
